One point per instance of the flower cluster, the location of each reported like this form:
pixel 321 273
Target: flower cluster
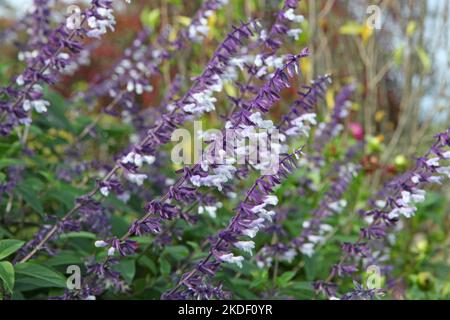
pixel 136 209
pixel 404 193
pixel 54 51
pixel 251 216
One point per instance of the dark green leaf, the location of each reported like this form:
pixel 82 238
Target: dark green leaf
pixel 9 246
pixel 44 275
pixel 7 275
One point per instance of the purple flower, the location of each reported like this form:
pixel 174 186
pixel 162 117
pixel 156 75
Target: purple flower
pixel 55 50
pixel 245 224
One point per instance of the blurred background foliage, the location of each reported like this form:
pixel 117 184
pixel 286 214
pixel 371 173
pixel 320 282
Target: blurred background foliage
pixel 402 77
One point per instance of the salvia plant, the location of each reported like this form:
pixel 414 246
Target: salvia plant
pixel 102 195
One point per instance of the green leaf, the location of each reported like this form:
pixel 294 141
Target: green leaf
pixel 9 246
pixel 5 233
pixel 56 116
pixel 164 266
pixel 45 276
pixel 310 267
pixel 64 258
pixel 30 198
pixel 10 162
pixel 147 263
pixel 150 18
pixel 127 269
pixel 284 279
pixel 7 275
pixel 177 252
pixel 64 194
pixel 79 234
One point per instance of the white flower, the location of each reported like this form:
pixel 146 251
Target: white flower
pixel 137 159
pixel 380 203
pixel 406 198
pixel 130 86
pixel 238 62
pixel 418 195
pixel 231 195
pixel 444 170
pixel 104 191
pixel 250 232
pixel 289 255
pixel 272 61
pixel 218 85
pixel 435 179
pixel 246 246
pixel 137 178
pixel 291 16
pixel 263 35
pixel 99 26
pixel 258 60
pixel 260 122
pixel 211 210
pixel 301 125
pixel 149 159
pixel 271 199
pixel 95 33
pixel 212 180
pixel 129 158
pixel 258 208
pixel 92 22
pixel 315 239
pixel 307 249
pixel 20 81
pixel 257 223
pixel 433 162
pixel 338 206
pixel 40 105
pixel 204 102
pixel 198 32
pixel 64 56
pixel 100 244
pixel 91 298
pixel 294 33
pixel 204 165
pixel 230 258
pixel 266 214
pixel 415 179
pixel 26 105
pixel 326 227
pixel 308 117
pixel 261 72
pixel 446 155
pixel 111 251
pixel 406 211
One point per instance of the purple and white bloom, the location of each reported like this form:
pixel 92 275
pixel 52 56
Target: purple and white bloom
pixel 100 244
pixel 231 258
pixel 246 246
pixel 47 60
pixel 290 15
